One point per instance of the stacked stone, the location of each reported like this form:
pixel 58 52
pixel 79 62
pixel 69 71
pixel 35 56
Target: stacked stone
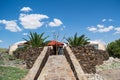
pixel 89 57
pixel 29 55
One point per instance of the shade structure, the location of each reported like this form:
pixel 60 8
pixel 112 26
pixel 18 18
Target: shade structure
pixel 53 43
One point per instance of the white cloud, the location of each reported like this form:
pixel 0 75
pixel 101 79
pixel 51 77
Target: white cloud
pixel 103 20
pixel 117 30
pixel 26 9
pixel 100 28
pixel 32 21
pixel 1 41
pixel 109 20
pixel 55 23
pixel 105 29
pixel 25 34
pixel 93 29
pixel 11 25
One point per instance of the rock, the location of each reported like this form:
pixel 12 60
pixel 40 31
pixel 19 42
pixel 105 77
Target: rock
pixel 94 77
pixel 89 57
pixel 29 55
pixel 111 63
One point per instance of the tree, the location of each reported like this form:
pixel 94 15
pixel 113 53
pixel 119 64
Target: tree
pixel 78 40
pixel 36 40
pixel 113 48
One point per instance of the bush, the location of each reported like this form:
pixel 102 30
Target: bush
pixel 113 48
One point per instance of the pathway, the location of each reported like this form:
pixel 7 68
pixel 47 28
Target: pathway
pixel 56 68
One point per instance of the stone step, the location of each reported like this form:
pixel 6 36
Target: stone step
pixel 56 68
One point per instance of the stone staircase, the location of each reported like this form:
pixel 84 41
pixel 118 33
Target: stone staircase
pixel 56 67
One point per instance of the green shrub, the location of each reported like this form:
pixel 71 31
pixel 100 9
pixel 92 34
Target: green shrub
pixel 113 48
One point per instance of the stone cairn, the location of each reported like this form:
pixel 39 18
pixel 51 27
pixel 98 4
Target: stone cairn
pixel 89 57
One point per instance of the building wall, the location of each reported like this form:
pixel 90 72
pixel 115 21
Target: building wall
pixel 12 49
pixel 101 46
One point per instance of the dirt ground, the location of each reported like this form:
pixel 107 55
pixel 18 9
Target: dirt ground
pixel 110 74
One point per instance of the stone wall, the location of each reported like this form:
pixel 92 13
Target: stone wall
pixel 74 64
pixel 38 65
pixel 89 57
pixel 29 55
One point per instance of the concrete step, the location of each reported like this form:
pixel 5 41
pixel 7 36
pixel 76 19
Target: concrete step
pixel 56 68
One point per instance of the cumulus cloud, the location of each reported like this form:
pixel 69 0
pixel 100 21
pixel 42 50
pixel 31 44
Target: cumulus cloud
pixel 109 20
pixel 26 9
pixel 100 28
pixel 103 20
pixel 11 25
pixel 55 23
pixel 93 29
pixel 32 21
pixel 105 29
pixel 25 34
pixel 1 41
pixel 117 30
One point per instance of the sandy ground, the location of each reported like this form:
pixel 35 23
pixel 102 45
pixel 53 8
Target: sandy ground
pixel 110 69
pixel 110 74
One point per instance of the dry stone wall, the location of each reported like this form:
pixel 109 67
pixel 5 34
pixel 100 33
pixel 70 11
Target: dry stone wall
pixel 35 71
pixel 74 64
pixel 29 55
pixel 89 57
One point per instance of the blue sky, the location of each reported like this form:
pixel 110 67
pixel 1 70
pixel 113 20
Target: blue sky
pixel 97 19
